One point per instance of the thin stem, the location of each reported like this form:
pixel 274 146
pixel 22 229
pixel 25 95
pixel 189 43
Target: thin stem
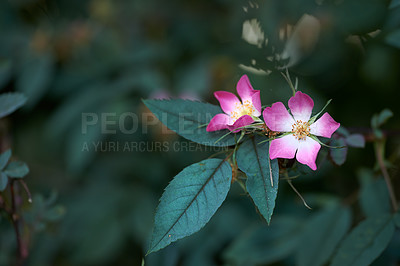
pixel 229 158
pixel 237 144
pixel 290 177
pixel 381 162
pixel 289 81
pixel 298 194
pixel 25 186
pixel 270 167
pixel 21 249
pixel 242 185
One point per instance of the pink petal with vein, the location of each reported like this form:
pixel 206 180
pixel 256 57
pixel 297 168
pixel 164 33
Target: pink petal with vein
pixel 227 100
pixel 307 152
pixel 244 89
pixel 324 126
pixel 256 100
pixel 218 122
pixel 284 147
pixel 301 106
pixel 278 118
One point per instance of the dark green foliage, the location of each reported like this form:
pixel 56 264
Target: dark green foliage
pixel 190 200
pixel 5 73
pixel 34 76
pixel 44 211
pixel 9 102
pixel 381 118
pixel 374 195
pixel 338 155
pixel 394 39
pixel 190 119
pixel 3 181
pixel 397 219
pixel 14 169
pixel 356 140
pixel 262 174
pixel 263 244
pixel 322 234
pixel 4 158
pixel 365 242
pixel 74 57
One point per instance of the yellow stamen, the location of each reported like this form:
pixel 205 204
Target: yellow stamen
pixel 301 130
pixel 246 108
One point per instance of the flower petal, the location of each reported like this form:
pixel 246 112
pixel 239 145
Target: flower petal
pixel 218 122
pixel 247 93
pixel 307 152
pixel 278 118
pixel 284 147
pixel 244 89
pixel 301 106
pixel 243 121
pixel 324 126
pixel 227 100
pixel 256 100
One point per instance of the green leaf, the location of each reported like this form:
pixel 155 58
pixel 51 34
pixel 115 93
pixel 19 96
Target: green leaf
pixel 381 118
pixel 338 155
pixel 9 102
pixel 374 196
pixel 190 200
pixel 366 242
pixel 262 174
pixel 189 119
pixel 3 181
pixel 16 169
pixel 356 140
pixel 4 158
pixel 322 234
pixel 263 245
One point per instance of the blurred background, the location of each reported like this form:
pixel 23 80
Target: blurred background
pixel 94 204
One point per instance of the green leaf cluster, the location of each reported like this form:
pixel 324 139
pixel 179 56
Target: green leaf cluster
pixel 342 138
pixel 14 169
pixel 194 195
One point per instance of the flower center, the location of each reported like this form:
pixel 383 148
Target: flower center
pixel 246 108
pixel 301 130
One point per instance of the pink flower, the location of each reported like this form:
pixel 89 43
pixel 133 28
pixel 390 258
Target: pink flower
pixel 237 113
pixel 300 127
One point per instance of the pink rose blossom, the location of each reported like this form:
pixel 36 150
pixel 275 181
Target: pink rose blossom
pixel 237 113
pixel 301 128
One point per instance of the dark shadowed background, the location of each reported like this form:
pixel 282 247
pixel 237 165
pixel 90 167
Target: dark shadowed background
pixel 95 190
